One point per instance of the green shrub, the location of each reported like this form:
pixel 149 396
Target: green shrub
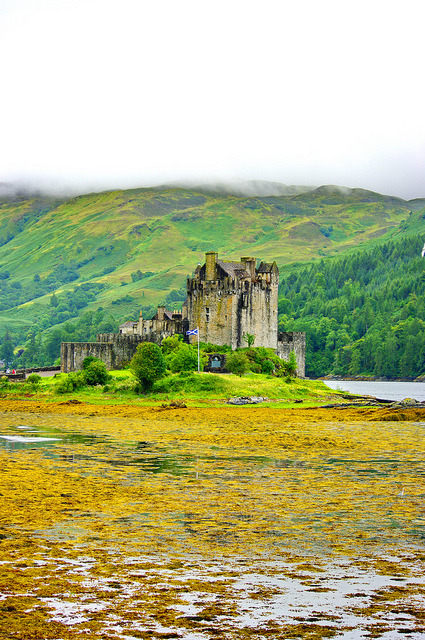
pixel 4 381
pixel 291 365
pixel 148 365
pixel 237 362
pixel 185 358
pixel 171 343
pixel 191 383
pixel 95 373
pixel 267 367
pixel 249 338
pixel 265 360
pixel 208 347
pixel 34 379
pixel 70 382
pixel 88 360
pixel 255 367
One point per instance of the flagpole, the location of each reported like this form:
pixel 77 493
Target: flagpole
pixel 195 332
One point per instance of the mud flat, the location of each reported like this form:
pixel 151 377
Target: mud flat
pixel 225 522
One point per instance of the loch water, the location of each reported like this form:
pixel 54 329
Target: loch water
pixel 395 391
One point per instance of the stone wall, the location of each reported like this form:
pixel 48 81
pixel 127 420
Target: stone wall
pixel 257 315
pixel 114 349
pixel 211 308
pixel 73 354
pixel 223 311
pixel 292 341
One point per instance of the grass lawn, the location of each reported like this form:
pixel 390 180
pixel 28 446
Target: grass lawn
pixel 195 389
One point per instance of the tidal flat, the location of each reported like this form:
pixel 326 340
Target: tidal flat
pixel 122 522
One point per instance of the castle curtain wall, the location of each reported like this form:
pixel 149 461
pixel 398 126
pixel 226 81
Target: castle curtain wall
pixel 292 341
pixel 73 354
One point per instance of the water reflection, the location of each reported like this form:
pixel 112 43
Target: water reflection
pixel 43 439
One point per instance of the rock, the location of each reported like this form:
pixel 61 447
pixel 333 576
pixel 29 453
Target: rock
pixel 246 400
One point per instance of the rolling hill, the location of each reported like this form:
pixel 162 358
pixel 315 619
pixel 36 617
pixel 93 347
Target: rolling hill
pixel 119 251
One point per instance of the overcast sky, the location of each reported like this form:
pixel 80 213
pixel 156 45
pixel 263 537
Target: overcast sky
pixel 100 94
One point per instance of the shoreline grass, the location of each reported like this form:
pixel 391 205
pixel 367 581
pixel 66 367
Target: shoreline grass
pixel 194 389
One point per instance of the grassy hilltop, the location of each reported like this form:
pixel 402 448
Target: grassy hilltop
pixel 115 252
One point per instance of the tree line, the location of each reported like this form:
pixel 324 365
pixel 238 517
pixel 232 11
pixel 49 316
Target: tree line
pixel 364 313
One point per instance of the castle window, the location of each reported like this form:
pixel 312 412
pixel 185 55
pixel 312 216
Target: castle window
pixel 208 317
pixel 207 309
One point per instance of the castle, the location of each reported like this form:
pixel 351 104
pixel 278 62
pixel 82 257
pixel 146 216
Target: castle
pixel 225 301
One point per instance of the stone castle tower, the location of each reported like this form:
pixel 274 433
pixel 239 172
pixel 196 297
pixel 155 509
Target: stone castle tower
pixel 225 300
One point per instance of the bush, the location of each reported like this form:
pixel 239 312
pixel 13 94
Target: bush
pixel 237 363
pixel 192 383
pixel 148 365
pixel 267 367
pixel 70 382
pixel 95 373
pixel 171 343
pixel 208 347
pixel 254 367
pixel 291 365
pixel 34 379
pixel 185 358
pixel 88 360
pixel 265 360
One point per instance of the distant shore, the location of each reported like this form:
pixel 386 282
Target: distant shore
pixel 366 378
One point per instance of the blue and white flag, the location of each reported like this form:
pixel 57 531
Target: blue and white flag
pixel 192 332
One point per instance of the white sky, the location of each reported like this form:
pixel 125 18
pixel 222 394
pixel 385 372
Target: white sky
pixel 101 94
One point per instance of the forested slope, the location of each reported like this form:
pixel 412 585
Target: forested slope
pixel 364 313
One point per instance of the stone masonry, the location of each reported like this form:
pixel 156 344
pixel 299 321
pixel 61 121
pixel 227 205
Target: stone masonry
pixel 225 301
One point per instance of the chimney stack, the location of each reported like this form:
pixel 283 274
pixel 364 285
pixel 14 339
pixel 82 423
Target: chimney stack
pixel 211 265
pixel 249 266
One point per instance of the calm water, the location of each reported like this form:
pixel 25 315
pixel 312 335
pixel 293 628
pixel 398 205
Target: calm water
pixel 384 390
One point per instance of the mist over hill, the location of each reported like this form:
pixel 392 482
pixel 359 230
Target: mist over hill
pixel 244 188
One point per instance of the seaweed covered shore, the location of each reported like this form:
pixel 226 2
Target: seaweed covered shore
pixel 165 521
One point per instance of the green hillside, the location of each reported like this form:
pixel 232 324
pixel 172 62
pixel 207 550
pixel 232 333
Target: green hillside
pixel 72 266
